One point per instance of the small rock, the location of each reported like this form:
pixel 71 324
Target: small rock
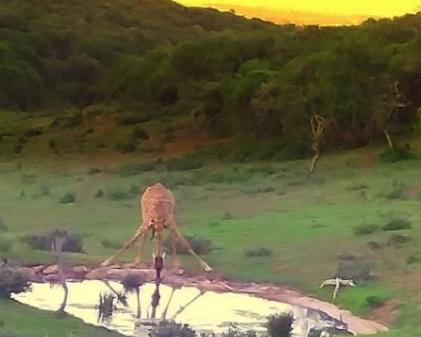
pixel 80 270
pixel 38 269
pixel 50 270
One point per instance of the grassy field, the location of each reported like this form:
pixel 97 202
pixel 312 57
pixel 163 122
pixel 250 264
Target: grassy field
pixel 19 320
pixel 310 225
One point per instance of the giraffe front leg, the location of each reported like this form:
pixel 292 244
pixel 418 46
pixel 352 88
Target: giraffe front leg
pixel 126 246
pixel 178 234
pixel 138 259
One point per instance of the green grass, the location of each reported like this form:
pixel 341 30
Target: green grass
pixel 20 320
pixel 299 219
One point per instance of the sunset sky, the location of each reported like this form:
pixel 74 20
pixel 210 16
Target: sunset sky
pixel 313 11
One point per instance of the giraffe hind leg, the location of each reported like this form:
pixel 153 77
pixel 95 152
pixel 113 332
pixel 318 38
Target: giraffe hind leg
pixel 178 234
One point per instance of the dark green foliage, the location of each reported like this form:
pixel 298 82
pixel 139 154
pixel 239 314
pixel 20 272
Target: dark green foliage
pixel 354 268
pixel 280 325
pixel 399 239
pixel 200 245
pixel 171 329
pixel 94 170
pixel 99 194
pixel 258 252
pixel 5 246
pixel 414 259
pixel 129 170
pixel 397 224
pixel 375 301
pixel 228 75
pixel 67 198
pixel 233 332
pixel 396 154
pixel 365 229
pixel 188 162
pixel 109 244
pixel 72 242
pixel 13 281
pixel 127 146
pixel 139 133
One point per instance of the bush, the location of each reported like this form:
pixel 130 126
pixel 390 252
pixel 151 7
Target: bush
pixel 365 229
pixel 258 252
pixel 200 245
pixel 280 325
pixel 5 246
pixel 129 170
pixel 354 268
pixel 72 242
pixel 413 259
pixel 132 118
pixel 126 147
pixel 396 154
pixel 110 244
pixel 171 329
pixel 94 170
pixel 99 194
pixel 233 332
pixel 67 198
pixel 139 133
pixel 3 225
pixel 397 239
pixel 397 224
pixel 13 281
pixel 120 194
pixel 183 164
pixel 375 301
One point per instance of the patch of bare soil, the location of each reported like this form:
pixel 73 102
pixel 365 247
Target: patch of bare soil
pixel 386 314
pixel 216 283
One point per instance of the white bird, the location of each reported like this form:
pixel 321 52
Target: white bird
pixel 337 282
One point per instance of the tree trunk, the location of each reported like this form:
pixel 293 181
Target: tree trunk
pixel 57 248
pixel 389 139
pixel 138 303
pixel 316 149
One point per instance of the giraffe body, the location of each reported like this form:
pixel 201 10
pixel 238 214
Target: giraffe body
pixel 157 206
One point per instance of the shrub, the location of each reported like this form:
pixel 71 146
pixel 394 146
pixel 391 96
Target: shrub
pixel 126 147
pixel 413 259
pixel 365 229
pixel 120 194
pixel 94 170
pixel 200 245
pixel 3 225
pixel 397 224
pixel 13 281
pixel 139 133
pixel 171 329
pixel 373 245
pixel 354 269
pixel 355 186
pixel 110 244
pixel 132 118
pixel 258 252
pixel 183 164
pixel 375 301
pixel 72 242
pixel 129 170
pixel 99 194
pixel 396 154
pixel 67 198
pixel 233 332
pixel 399 239
pixel 280 325
pixel 5 246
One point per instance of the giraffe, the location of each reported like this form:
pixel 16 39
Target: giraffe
pixel 157 205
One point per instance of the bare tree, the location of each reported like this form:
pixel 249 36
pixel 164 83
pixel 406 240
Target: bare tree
pixel 318 125
pixel 57 245
pixel 386 109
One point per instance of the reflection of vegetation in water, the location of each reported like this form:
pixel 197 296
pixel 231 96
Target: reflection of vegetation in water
pixel 105 307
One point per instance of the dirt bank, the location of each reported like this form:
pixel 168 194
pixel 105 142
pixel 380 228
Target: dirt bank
pixel 210 282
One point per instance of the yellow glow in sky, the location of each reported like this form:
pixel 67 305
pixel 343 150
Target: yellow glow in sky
pixel 276 10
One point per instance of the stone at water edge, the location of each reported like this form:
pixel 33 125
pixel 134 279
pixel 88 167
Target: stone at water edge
pixel 80 270
pixel 50 270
